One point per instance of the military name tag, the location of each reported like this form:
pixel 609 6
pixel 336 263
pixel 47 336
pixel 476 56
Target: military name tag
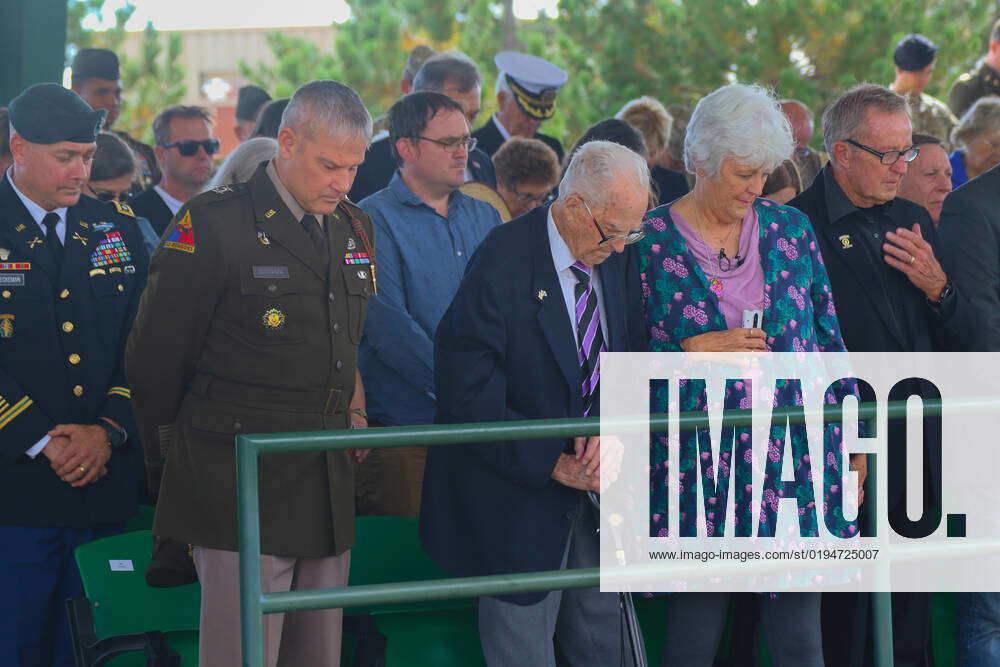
pixel 269 271
pixel 12 279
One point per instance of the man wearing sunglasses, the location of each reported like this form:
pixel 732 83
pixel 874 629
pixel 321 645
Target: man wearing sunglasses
pixel 892 295
pixel 184 149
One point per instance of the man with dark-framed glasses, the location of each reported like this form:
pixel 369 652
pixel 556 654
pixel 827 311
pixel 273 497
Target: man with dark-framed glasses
pixel 184 150
pixel 891 295
pixel 427 231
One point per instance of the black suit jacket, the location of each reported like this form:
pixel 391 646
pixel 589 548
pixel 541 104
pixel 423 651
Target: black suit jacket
pixel 62 341
pixel 150 205
pixel 505 353
pixel 670 184
pixel 970 249
pixel 877 315
pixel 376 171
pixel 490 139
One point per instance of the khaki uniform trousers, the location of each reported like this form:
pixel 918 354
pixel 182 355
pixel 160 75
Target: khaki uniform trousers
pixel 293 639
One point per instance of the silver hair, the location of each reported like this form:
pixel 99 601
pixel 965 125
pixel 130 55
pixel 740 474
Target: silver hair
pixel 501 85
pixel 243 162
pixel 982 118
pixel 738 121
pixel 451 67
pixel 329 106
pixel 845 118
pixel 596 165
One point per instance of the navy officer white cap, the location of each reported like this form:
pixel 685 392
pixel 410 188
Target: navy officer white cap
pixel 531 72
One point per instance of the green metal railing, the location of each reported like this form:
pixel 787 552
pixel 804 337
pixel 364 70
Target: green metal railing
pixel 254 602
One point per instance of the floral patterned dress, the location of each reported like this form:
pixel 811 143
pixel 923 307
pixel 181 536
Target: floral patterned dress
pixel 799 315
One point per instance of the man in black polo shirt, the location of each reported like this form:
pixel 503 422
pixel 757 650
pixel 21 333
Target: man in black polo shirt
pixel 892 295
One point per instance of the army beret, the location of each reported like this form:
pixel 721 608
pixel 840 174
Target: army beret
pixel 95 63
pixel 47 113
pixel 914 52
pixel 249 100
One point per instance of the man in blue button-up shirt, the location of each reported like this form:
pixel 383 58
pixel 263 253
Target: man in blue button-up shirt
pixel 426 230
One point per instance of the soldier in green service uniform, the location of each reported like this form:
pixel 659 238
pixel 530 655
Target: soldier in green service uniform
pixel 250 324
pixel 982 80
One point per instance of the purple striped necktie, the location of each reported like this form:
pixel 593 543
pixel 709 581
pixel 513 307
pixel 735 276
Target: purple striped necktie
pixel 591 340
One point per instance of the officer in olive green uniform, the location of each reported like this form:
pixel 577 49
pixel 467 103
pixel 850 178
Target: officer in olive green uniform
pixel 250 324
pixel 979 82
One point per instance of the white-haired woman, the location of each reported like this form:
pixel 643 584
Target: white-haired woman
pixel 724 270
pixel 243 162
pixel 977 137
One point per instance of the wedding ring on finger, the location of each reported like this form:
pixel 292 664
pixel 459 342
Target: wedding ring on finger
pixel 83 468
pixel 912 260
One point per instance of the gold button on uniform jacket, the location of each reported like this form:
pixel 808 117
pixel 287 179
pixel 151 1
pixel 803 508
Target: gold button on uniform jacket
pixel 246 327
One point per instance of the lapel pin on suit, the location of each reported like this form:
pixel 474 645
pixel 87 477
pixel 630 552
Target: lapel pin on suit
pixel 845 241
pixel 541 295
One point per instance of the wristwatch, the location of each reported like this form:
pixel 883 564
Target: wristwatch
pixel 946 292
pixel 116 436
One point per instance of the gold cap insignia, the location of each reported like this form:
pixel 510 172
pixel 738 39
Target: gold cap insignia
pixel 845 241
pixel 273 318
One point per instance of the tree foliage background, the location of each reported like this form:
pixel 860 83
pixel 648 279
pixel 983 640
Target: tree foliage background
pixel 152 80
pixel 675 50
pixel 614 50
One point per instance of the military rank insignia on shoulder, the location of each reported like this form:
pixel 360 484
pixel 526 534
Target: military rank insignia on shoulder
pixel 224 192
pixel 124 209
pixel 182 236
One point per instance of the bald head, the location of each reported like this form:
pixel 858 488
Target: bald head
pixel 801 119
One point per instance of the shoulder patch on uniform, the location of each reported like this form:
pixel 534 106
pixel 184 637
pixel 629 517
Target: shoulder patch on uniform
pixel 124 209
pixel 182 236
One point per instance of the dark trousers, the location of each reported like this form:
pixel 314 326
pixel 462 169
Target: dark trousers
pixel 37 575
pixel 695 622
pixel 848 623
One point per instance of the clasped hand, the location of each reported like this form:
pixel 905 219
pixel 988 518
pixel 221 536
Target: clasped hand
pixel 582 469
pixel 78 453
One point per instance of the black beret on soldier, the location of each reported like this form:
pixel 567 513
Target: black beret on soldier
pixel 249 101
pixel 47 113
pixel 95 64
pixel 914 52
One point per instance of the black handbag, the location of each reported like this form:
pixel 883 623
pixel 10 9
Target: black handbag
pixel 170 564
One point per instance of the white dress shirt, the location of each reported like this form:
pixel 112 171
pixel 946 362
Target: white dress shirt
pixel 172 203
pixel 563 259
pixel 37 213
pixel 503 130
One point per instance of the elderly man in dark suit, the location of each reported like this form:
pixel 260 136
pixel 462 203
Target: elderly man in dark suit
pixel 455 76
pixel 970 248
pixel 542 297
pixel 891 295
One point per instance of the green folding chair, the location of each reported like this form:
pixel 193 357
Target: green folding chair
pixel 122 621
pixel 440 633
pixel 143 520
